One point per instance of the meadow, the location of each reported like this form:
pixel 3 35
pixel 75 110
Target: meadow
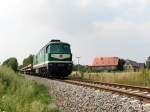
pixel 18 94
pixel 141 78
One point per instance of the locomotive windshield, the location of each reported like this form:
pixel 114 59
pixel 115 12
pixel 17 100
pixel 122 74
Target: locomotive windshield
pixel 59 48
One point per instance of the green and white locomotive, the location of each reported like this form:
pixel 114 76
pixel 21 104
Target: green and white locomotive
pixel 53 60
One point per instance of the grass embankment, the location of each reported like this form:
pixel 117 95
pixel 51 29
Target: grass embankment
pixel 18 94
pixel 141 78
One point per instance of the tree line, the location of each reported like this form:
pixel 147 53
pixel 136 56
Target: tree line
pixel 13 63
pixel 120 66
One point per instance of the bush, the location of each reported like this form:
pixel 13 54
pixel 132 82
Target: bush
pixel 12 63
pixel 18 94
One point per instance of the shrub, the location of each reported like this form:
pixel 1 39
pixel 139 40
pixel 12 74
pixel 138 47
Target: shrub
pixel 12 63
pixel 18 94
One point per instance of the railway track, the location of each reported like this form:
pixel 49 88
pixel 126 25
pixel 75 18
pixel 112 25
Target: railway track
pixel 140 93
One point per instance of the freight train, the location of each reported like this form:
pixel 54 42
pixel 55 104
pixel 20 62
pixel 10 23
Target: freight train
pixel 53 60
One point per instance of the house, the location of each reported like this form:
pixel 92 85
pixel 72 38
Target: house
pixel 105 63
pixel 133 65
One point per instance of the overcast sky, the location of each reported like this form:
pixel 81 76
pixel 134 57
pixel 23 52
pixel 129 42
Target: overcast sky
pixel 93 27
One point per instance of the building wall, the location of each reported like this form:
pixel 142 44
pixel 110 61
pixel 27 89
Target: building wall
pixel 128 67
pixel 104 68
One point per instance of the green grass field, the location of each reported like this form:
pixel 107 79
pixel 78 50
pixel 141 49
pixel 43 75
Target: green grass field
pixel 141 78
pixel 18 94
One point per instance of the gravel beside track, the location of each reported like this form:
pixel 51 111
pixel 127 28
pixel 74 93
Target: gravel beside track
pixel 73 98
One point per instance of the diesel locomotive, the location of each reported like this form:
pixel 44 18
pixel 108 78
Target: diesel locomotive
pixel 53 60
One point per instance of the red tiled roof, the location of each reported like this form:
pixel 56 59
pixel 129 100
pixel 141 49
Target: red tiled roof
pixel 105 61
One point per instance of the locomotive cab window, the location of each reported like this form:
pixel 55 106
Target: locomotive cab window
pixel 47 49
pixel 59 48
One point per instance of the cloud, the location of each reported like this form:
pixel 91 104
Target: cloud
pixel 93 27
pixel 84 3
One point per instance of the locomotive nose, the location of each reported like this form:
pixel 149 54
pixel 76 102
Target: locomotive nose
pixel 62 69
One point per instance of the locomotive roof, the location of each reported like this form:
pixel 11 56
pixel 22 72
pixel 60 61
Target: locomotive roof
pixel 53 42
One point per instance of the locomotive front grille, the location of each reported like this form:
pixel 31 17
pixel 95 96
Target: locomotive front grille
pixel 60 68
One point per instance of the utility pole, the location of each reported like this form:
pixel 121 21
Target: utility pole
pixel 78 58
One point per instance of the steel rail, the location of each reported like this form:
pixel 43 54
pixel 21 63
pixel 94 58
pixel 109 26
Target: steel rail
pixel 144 89
pixel 108 87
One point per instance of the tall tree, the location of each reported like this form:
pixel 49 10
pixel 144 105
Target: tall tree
pixel 27 61
pixel 12 63
pixel 121 64
pixel 148 62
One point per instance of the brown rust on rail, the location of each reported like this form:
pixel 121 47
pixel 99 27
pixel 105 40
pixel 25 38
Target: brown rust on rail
pixel 143 89
pixel 99 85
